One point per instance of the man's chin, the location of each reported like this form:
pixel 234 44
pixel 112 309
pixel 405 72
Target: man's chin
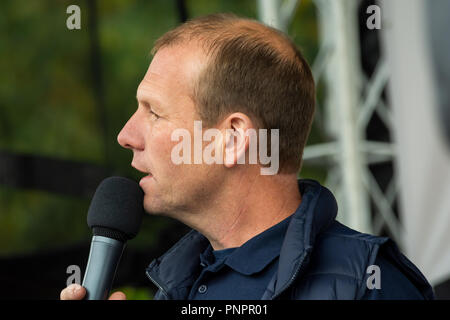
pixel 152 209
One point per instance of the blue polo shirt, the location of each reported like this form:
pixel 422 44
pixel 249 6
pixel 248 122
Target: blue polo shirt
pixel 241 273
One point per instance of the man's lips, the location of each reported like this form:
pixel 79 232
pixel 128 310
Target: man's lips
pixel 147 174
pixel 144 180
pixel 139 169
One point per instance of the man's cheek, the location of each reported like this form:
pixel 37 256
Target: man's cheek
pixel 159 145
pixel 163 153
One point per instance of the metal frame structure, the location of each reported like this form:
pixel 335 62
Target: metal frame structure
pixel 351 100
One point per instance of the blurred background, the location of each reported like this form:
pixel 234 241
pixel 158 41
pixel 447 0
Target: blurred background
pixel 380 139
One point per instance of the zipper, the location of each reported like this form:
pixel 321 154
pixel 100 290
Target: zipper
pixel 297 271
pixel 157 284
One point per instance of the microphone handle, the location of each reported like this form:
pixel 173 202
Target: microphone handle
pixel 103 261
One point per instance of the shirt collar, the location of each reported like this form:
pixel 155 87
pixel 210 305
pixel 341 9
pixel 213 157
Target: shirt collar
pixel 255 254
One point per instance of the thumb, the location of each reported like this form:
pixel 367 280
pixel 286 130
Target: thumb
pixel 119 295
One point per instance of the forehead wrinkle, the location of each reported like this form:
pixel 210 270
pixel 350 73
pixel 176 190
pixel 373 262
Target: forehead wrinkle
pixel 156 87
pixel 161 97
pixel 171 77
pixel 149 89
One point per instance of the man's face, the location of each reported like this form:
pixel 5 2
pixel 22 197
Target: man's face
pixel 164 104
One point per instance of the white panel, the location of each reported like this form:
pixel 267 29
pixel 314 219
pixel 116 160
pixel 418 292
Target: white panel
pixel 423 160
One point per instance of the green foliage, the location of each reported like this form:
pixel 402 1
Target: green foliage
pixel 44 218
pixel 134 293
pixel 244 8
pixel 49 106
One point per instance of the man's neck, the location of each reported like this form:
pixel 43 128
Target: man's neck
pixel 247 207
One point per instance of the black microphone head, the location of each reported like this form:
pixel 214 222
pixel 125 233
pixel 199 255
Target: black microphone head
pixel 116 209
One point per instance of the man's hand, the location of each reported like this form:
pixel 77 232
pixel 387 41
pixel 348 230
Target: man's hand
pixel 77 292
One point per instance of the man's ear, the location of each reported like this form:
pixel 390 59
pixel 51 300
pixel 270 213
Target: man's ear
pixel 236 138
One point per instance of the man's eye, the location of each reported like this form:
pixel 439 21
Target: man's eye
pixel 154 114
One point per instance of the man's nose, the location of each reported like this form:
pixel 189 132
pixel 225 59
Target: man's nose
pixel 130 136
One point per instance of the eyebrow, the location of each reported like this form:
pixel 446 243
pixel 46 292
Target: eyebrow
pixel 148 100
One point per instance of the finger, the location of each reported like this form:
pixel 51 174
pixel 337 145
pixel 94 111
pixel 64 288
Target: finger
pixel 73 292
pixel 118 296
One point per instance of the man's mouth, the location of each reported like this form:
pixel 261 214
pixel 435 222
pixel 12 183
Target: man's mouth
pixel 146 176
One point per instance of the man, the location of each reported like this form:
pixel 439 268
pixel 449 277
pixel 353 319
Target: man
pixel 256 235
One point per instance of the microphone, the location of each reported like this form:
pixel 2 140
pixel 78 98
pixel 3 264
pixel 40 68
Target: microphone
pixel 115 215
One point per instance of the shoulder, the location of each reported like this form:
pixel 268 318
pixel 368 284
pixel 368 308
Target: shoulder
pixel 388 282
pixel 344 260
pixel 344 251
